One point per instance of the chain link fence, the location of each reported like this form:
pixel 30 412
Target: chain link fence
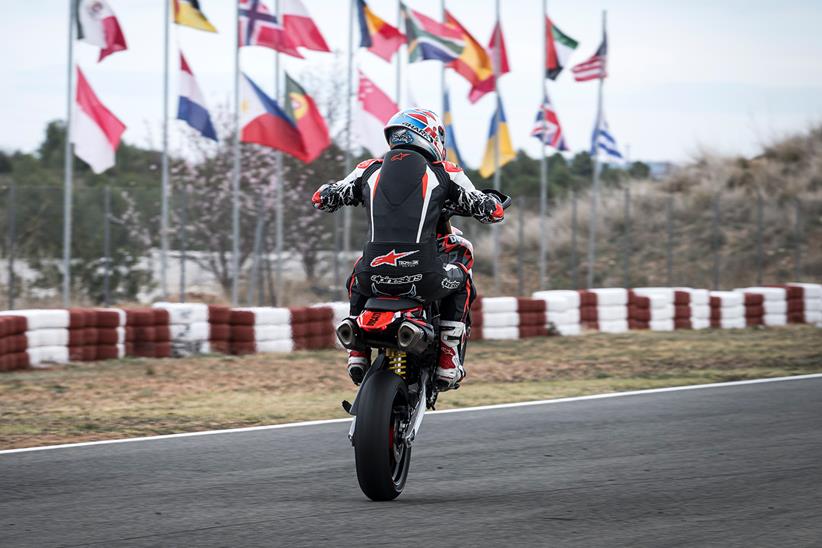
pixel 646 237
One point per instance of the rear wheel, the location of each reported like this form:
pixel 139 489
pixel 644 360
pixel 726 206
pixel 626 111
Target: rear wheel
pixel 380 453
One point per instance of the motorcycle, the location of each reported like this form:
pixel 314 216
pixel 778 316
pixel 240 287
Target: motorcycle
pixel 398 387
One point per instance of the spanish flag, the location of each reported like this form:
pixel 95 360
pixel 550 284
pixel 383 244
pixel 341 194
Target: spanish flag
pixel 188 14
pixel 506 150
pixel 474 64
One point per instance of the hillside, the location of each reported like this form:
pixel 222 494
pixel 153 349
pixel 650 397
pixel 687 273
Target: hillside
pixel 786 179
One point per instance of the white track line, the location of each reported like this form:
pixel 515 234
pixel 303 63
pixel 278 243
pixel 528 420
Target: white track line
pixel 443 412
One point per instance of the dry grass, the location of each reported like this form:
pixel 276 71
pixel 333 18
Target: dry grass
pixel 104 400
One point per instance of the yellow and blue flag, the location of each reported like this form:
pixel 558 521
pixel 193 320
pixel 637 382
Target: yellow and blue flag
pixel 506 150
pixel 189 14
pixel 452 150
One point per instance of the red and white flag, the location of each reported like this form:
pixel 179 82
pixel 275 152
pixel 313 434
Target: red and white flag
pixel 374 109
pixel 595 67
pixel 97 25
pixel 95 131
pixel 259 27
pixel 301 28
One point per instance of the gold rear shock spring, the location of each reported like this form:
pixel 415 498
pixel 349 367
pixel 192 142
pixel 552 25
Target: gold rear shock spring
pixel 396 361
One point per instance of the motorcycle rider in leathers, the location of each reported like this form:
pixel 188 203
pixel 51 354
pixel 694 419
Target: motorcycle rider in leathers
pixel 407 254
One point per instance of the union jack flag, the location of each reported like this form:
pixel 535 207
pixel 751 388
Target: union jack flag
pixel 546 126
pixel 259 27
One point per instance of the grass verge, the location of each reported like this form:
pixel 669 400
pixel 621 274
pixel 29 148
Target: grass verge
pixel 126 398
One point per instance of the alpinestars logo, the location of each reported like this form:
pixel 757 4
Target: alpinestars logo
pixel 391 257
pixel 400 156
pixel 390 280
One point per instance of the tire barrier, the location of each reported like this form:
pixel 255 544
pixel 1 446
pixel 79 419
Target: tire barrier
pixel 197 328
pixel 563 310
pixel 604 309
pixel 13 343
pixel 727 309
pixel 148 333
pixel 810 297
pixel 30 338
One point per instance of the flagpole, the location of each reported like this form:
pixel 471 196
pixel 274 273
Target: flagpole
pixel 68 162
pixel 164 175
pixel 349 90
pixel 495 229
pixel 442 65
pixel 278 273
pixel 592 228
pixel 399 57
pixel 543 171
pixel 235 183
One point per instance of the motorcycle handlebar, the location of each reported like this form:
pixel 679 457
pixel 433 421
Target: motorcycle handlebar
pixel 503 199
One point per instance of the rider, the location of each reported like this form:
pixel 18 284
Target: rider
pixel 404 194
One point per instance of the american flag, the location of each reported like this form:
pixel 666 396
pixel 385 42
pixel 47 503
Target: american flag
pixel 259 27
pixel 595 67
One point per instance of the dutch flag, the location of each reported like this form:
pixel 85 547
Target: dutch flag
pixel 191 107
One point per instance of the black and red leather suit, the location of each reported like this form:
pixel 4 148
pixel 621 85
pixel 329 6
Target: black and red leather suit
pixel 404 195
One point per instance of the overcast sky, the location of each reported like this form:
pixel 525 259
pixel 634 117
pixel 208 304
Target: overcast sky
pixel 725 75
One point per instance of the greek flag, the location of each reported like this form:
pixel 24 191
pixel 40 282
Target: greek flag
pixel 603 143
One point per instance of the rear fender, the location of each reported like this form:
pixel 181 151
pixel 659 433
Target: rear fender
pixel 379 364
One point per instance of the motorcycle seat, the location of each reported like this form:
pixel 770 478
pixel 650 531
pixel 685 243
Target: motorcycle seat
pixel 391 304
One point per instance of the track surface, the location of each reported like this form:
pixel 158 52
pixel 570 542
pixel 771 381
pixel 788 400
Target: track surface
pixel 729 466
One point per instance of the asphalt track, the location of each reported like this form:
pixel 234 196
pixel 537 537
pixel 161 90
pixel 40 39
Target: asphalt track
pixel 734 465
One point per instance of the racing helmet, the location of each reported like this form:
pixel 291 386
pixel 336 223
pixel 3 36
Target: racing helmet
pixel 419 129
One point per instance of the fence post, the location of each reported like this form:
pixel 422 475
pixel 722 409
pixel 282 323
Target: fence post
pixel 626 240
pixel 759 235
pixel 107 245
pixel 669 255
pixel 716 241
pixel 797 260
pixel 521 246
pixel 183 241
pixel 335 263
pixel 574 266
pixel 12 240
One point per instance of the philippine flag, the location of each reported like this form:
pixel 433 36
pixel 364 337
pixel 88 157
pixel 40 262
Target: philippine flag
pixel 95 131
pixel 191 106
pixel 263 121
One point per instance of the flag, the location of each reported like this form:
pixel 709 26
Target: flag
pixel 603 143
pixel 547 128
pixel 191 107
pixel 301 27
pixel 496 50
pixel 594 68
pixel 95 131
pixel 452 150
pixel 263 122
pixel 302 110
pixel 188 14
pixel 474 63
pixel 379 37
pixel 430 39
pixel 374 109
pixel 258 27
pixel 558 48
pixel 98 26
pixel 506 150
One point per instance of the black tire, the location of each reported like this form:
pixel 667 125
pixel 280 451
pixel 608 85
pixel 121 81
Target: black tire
pixel 382 458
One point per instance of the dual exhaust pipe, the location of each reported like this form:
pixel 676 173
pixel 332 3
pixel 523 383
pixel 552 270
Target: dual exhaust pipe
pixel 411 337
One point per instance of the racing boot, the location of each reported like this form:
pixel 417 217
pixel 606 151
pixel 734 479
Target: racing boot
pixel 358 362
pixel 449 367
